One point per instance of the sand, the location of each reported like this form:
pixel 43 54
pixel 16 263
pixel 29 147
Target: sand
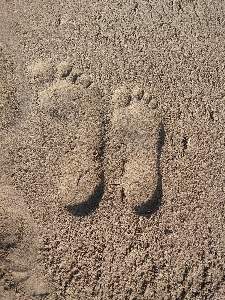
pixel 112 149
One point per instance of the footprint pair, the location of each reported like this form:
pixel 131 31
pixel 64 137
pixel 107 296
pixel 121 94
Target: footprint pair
pixel 130 158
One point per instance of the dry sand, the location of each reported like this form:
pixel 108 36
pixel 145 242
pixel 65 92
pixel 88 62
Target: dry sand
pixel 112 149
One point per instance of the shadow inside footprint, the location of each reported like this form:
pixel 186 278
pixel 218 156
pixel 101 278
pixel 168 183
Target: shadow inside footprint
pixel 90 205
pixel 152 205
pixel 6 244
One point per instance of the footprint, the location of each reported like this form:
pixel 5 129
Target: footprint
pixel 71 109
pixel 20 269
pixel 136 140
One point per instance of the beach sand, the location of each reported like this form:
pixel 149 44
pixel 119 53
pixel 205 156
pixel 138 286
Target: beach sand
pixel 112 149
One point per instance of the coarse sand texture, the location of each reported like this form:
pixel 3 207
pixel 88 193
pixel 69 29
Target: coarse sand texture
pixel 112 121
